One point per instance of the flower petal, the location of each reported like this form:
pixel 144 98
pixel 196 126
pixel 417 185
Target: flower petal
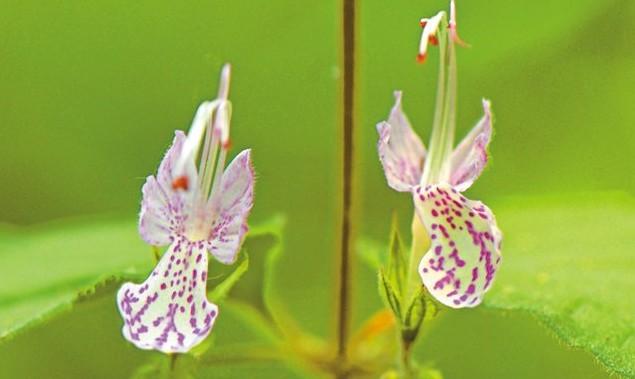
pixel 400 149
pixel 234 204
pixel 470 156
pixel 162 209
pixel 154 220
pixel 169 312
pixel 465 245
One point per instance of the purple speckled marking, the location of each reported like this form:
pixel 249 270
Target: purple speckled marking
pixel 463 259
pixel 161 315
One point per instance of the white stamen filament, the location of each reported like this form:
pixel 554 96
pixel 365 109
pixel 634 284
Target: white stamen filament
pixel 437 166
pixel 452 14
pixel 449 115
pixel 193 142
pixel 208 158
pixel 223 117
pixel 219 128
pixel 212 120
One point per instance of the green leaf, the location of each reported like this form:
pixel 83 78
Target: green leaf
pixel 397 264
pixel 255 289
pixel 46 269
pixel 570 261
pixel 391 264
pixel 414 316
pixel 390 295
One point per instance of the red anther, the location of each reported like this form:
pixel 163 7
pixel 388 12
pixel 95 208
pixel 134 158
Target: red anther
pixel 421 58
pixel 227 144
pixel 423 23
pixel 180 183
pixel 433 40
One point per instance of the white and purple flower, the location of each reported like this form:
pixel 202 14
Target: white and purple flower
pixel 195 212
pixel 465 242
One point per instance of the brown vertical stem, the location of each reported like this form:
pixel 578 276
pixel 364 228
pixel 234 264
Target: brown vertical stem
pixel 348 123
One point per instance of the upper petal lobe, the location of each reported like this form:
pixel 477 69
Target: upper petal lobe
pixel 234 204
pixel 164 210
pixel 400 149
pixel 470 156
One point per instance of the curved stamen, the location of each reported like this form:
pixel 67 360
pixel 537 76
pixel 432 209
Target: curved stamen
pixel 193 143
pixel 223 118
pixel 430 27
pixel 209 130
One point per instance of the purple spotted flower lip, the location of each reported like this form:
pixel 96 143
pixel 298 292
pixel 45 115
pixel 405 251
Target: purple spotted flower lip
pixel 195 211
pixel 465 241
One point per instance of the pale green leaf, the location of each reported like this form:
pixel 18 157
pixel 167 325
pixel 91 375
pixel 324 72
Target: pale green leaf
pixel 265 247
pixel 44 270
pixel 570 261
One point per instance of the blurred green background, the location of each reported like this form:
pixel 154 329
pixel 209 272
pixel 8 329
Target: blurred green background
pixel 90 94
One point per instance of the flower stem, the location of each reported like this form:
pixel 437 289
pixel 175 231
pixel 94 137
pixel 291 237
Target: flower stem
pixel 174 370
pixel 348 122
pixel 405 357
pixel 173 359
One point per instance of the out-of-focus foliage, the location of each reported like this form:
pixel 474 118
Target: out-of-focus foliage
pixel 90 94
